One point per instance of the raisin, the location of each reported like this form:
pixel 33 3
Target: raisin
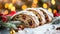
pixel 40 24
pixel 30 23
pixel 36 14
pixel 58 28
pixel 39 19
pixel 47 18
pixel 16 17
pixel 24 17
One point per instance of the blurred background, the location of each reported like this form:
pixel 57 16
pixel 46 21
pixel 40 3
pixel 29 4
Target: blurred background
pixel 7 6
pixel 17 5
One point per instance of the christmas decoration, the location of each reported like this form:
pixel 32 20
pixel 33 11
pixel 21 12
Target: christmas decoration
pixel 34 5
pixel 5 19
pixel 59 14
pixel 12 13
pixel 10 6
pixel 35 1
pixel 45 5
pixel 53 2
pixel 54 11
pixel 56 14
pixel 56 20
pixel 50 10
pixel 13 8
pixel 24 7
pixel 6 5
pixel 12 31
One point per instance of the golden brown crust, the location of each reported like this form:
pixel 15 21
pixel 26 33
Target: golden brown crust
pixel 47 17
pixel 41 22
pixel 34 19
pixel 29 22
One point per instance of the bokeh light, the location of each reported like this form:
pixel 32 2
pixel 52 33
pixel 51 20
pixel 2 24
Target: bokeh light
pixel 24 7
pixel 6 5
pixel 35 1
pixel 53 2
pixel 54 11
pixel 10 6
pixel 45 5
pixel 50 10
pixel 13 8
pixel 34 5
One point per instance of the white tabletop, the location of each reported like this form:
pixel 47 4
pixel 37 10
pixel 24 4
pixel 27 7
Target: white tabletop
pixel 45 29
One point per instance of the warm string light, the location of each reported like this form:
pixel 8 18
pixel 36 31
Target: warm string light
pixel 50 10
pixel 10 6
pixel 24 7
pixel 54 11
pixel 35 1
pixel 6 5
pixel 34 5
pixel 45 5
pixel 53 2
pixel 13 8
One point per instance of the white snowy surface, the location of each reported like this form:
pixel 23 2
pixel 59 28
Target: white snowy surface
pixel 45 29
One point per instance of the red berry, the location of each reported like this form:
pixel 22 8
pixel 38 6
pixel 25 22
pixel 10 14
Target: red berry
pixel 1 14
pixel 59 14
pixel 4 19
pixel 12 13
pixel 56 14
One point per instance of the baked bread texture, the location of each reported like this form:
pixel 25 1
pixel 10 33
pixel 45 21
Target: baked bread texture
pixel 47 14
pixel 39 14
pixel 33 17
pixel 29 19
